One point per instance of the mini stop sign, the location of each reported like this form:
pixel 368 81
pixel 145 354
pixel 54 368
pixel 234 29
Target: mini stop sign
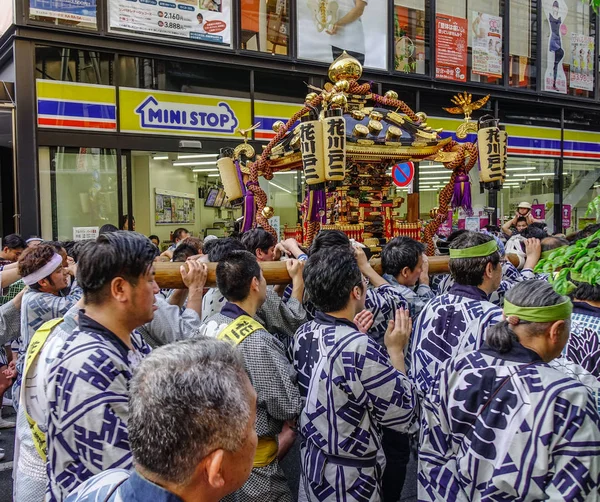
pixel 403 174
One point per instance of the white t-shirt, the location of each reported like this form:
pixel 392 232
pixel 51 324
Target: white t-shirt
pixel 350 37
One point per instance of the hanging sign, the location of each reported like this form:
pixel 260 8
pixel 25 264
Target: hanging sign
pixel 566 216
pixel 451 48
pixel 538 211
pixel 403 174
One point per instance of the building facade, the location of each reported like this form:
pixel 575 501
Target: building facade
pixel 122 106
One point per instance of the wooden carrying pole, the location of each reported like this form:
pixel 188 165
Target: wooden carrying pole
pixel 275 272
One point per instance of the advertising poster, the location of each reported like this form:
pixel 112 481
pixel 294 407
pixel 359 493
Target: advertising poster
pixel 581 75
pixel 451 48
pixel 85 233
pixel 486 40
pixel 555 29
pixel 6 15
pixel 199 20
pixel 321 38
pixel 77 11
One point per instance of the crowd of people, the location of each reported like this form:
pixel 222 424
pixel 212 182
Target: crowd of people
pixel 128 392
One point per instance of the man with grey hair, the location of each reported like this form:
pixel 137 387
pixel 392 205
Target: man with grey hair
pixel 191 428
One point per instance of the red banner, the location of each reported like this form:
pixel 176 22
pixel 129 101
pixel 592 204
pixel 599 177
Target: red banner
pixel 451 48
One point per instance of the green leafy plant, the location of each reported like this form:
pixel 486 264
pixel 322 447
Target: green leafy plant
pixel 594 205
pixel 579 262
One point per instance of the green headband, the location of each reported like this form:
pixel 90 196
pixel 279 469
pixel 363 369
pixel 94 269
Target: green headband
pixel 486 249
pixel 551 313
pixel 546 254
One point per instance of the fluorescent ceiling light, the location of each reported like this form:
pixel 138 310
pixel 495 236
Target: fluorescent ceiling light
pixel 198 156
pixel 430 166
pixel 520 168
pixel 429 189
pixel 160 157
pixel 447 178
pixel 214 175
pixel 280 187
pixel 212 163
pixel 205 170
pixel 533 174
pixel 286 172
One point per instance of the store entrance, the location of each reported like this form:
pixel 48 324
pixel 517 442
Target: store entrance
pixel 174 189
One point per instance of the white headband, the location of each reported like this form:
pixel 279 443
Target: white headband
pixel 43 272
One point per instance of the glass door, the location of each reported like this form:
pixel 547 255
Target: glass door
pixel 80 188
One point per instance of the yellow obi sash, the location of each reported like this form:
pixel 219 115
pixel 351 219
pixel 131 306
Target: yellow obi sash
pixel 240 329
pixel 33 351
pixel 235 333
pixel 266 451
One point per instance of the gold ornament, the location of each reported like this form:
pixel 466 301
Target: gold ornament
pixel 358 115
pixel 391 95
pixel 464 104
pixel 361 131
pixel 278 125
pixel 433 212
pixel 422 116
pixel 342 86
pixel 345 67
pixel 310 97
pixel 375 127
pixel 339 101
pixel 376 116
pixel 245 148
pixel 393 133
pixel 268 212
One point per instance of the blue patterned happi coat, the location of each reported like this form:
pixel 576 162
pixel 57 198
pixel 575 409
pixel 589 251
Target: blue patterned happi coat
pixel 449 325
pixel 583 347
pixel 88 394
pixel 382 302
pixel 508 427
pixel 351 391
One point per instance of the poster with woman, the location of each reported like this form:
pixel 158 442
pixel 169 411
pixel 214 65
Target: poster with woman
pixel 581 75
pixel 326 28
pixel 555 13
pixel 486 41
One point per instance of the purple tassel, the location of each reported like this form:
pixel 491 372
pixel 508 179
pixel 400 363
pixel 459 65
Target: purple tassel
pixel 461 197
pixel 249 211
pixel 240 177
pixel 316 206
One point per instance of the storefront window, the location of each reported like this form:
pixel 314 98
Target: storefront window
pixel 411 36
pixel 265 26
pixel 74 65
pixel 528 180
pixel 175 76
pixel 523 45
pixel 65 13
pixel 78 188
pixel 568 48
pixel 581 186
pixel 469 41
